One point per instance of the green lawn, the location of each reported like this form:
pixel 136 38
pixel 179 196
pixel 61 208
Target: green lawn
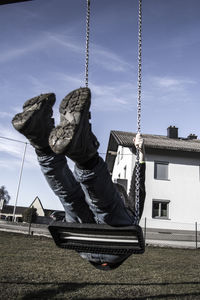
pixel 34 268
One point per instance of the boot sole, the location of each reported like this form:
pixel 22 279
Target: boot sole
pixel 31 106
pixel 73 109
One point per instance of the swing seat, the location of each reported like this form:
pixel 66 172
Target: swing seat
pixel 98 238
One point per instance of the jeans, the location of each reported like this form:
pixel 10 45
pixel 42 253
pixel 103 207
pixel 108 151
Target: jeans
pixel 88 196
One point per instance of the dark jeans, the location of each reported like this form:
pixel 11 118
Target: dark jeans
pixel 88 196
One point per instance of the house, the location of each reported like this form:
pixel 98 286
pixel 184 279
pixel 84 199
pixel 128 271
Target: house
pixel 7 211
pixel 172 176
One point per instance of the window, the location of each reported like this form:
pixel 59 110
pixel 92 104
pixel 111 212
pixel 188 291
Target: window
pixel 161 170
pixel 160 209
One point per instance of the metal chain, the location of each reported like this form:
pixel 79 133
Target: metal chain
pixel 87 43
pixel 137 175
pixel 137 190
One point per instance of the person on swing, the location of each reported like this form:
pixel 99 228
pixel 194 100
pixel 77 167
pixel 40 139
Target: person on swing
pixel 88 195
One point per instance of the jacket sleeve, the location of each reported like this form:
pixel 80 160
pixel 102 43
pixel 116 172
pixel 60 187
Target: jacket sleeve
pixel 142 191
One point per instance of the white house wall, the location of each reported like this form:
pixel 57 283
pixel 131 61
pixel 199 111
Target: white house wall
pixel 125 158
pixel 182 189
pixel 37 204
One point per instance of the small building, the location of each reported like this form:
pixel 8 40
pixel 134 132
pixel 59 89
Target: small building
pixel 7 212
pixel 172 176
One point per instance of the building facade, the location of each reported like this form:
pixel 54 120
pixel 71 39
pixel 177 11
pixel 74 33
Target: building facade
pixel 7 212
pixel 172 176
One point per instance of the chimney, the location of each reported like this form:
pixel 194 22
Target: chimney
pixel 192 136
pixel 172 132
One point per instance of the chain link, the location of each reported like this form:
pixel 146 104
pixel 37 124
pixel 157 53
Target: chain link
pixel 87 43
pixel 137 175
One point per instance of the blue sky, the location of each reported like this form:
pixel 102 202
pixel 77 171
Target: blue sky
pixel 43 50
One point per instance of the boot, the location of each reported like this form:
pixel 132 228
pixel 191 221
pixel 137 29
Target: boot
pixel 36 122
pixel 73 137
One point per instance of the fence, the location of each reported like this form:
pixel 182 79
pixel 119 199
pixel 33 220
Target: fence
pixel 183 235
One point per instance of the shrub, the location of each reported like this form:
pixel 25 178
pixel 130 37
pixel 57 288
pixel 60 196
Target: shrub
pixel 30 215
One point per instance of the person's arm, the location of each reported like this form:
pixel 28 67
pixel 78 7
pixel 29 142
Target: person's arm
pixel 139 143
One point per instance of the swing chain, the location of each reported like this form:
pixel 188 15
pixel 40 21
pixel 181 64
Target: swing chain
pixel 137 183
pixel 87 43
pixel 137 189
pixel 139 66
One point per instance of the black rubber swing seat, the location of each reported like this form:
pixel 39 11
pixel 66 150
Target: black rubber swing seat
pixel 98 238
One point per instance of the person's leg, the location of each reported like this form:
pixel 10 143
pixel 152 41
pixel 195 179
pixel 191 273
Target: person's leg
pixel 74 138
pixel 61 180
pixel 36 123
pixel 102 195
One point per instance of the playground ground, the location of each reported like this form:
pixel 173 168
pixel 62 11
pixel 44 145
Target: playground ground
pixel 32 267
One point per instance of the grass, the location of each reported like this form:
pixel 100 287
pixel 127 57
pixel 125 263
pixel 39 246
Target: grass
pixel 33 267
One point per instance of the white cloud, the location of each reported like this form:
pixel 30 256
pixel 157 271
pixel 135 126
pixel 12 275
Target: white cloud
pixel 12 146
pixel 109 60
pixel 65 41
pixel 168 89
pixel 21 50
pixel 11 133
pixel 4 114
pixel 43 40
pixel 39 85
pixel 68 79
pixel 10 164
pixel 99 55
pixel 13 155
pixel 115 98
pixel 170 82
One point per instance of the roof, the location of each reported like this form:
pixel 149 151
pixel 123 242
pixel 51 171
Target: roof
pixel 157 141
pixel 152 142
pixel 8 209
pixel 37 199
